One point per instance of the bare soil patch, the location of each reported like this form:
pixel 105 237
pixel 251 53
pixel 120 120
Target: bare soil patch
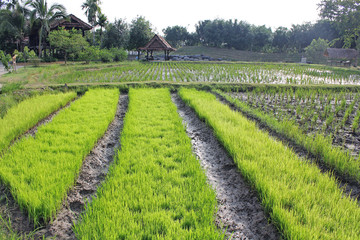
pixel 240 213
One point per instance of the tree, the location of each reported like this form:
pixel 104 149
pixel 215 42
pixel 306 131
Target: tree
pixel 45 16
pixel 102 22
pixel 177 36
pixel 91 10
pixel 261 37
pixel 316 49
pixel 116 35
pixel 281 39
pixel 13 27
pixel 345 15
pixel 70 42
pixel 140 33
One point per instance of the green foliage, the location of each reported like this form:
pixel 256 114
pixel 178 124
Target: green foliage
pixel 5 59
pixel 140 33
pixel 116 35
pixel 39 171
pixel 156 189
pixel 27 113
pixel 119 54
pixel 89 53
pixel 177 36
pixel 303 202
pixel 106 55
pixel 70 42
pixel 316 49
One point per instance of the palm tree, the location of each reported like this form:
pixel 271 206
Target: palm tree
pixel 14 20
pixel 102 22
pixel 45 16
pixel 91 8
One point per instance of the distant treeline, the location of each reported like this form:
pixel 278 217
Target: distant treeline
pixel 241 35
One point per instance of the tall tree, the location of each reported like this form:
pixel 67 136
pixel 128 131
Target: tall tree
pixel 102 22
pixel 45 16
pixel 13 26
pixel 92 8
pixel 345 15
pixel 140 33
pixel 116 35
pixel 176 35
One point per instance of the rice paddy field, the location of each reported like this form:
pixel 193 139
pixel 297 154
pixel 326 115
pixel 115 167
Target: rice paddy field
pixel 180 150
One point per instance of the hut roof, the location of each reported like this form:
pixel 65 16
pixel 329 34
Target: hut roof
pixel 341 53
pixel 157 43
pixel 72 22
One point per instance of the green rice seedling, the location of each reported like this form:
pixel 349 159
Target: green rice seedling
pixel 40 170
pixel 355 123
pixel 303 202
pixel 319 145
pixel 27 113
pixel 156 188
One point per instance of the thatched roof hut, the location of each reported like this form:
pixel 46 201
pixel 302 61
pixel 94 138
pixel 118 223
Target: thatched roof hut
pixel 157 43
pixel 341 53
pixel 347 56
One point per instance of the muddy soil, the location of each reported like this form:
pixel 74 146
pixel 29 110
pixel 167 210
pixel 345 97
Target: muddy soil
pixel 349 186
pixel 93 172
pixel 239 211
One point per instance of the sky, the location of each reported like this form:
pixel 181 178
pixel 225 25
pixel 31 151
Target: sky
pixel 187 13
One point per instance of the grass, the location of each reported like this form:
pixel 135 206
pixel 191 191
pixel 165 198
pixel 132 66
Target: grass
pixel 302 202
pixel 319 145
pixel 185 72
pixel 40 170
pixel 237 55
pixel 27 113
pixel 156 189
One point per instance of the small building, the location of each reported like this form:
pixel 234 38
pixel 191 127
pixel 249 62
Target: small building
pixel 157 43
pixel 342 56
pixel 69 23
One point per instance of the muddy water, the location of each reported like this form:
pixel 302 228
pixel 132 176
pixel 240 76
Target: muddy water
pixel 93 172
pixel 239 211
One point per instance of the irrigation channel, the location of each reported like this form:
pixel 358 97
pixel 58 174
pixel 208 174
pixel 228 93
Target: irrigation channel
pixel 349 186
pixel 93 172
pixel 239 210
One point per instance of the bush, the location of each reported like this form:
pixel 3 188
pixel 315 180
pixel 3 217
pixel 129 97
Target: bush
pixel 119 54
pixel 89 54
pixel 5 59
pixel 106 55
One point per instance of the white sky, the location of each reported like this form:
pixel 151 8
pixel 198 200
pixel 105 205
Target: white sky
pixel 162 13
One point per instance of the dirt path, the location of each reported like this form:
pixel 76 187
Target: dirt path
pixel 349 186
pixel 93 172
pixel 239 210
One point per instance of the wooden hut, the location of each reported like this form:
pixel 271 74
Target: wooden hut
pixel 157 43
pixel 341 56
pixel 69 23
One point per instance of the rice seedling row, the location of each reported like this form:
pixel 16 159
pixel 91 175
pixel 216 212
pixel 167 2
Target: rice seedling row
pixel 214 72
pixel 333 114
pixel 156 189
pixel 302 202
pixel 239 210
pixel 40 170
pixel 27 113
